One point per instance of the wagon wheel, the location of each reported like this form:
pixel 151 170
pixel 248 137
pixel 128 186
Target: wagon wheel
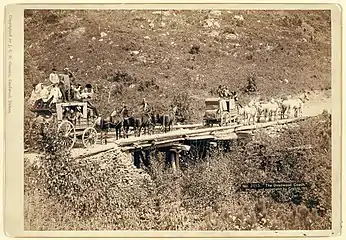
pixel 225 119
pixel 68 134
pixel 89 137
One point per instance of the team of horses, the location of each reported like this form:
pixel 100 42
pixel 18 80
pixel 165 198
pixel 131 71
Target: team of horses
pixel 140 121
pixel 256 110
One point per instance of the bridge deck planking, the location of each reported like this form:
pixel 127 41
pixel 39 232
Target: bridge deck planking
pixel 205 131
pixel 173 137
pixel 172 134
pixel 160 144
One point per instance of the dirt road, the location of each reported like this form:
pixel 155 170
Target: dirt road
pixel 317 103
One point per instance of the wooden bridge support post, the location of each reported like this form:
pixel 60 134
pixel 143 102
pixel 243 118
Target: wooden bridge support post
pixel 175 153
pixel 147 158
pixel 141 157
pixel 167 159
pixel 137 159
pixel 172 159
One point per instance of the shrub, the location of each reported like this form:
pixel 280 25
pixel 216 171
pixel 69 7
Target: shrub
pixel 183 102
pixel 123 77
pixel 195 49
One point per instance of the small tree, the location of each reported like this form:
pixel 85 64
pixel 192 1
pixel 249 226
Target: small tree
pixel 251 84
pixel 183 102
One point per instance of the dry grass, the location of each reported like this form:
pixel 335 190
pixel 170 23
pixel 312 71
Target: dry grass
pixel 271 45
pixel 107 193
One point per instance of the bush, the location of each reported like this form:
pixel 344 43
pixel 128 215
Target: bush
pixel 195 49
pixel 183 102
pixel 88 187
pixel 147 85
pixel 123 77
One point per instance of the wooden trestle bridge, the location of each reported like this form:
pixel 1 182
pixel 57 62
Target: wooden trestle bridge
pixel 179 140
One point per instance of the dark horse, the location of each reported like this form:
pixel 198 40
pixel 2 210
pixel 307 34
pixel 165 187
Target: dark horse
pixel 128 122
pixel 167 120
pixel 138 122
pixel 155 120
pixel 115 121
pixel 142 121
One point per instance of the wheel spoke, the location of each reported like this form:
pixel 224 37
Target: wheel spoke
pixel 89 137
pixel 69 131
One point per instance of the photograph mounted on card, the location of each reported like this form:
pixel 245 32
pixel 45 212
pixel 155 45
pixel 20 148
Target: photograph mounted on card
pixel 180 120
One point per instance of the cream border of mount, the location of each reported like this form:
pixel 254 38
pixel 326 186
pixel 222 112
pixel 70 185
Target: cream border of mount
pixel 14 86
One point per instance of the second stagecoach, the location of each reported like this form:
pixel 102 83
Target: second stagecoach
pixel 221 111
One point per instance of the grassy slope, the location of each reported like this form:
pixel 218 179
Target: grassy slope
pixel 275 39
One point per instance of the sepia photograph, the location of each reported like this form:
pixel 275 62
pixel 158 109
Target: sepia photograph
pixel 177 120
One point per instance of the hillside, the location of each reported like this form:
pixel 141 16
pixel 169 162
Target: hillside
pixel 149 53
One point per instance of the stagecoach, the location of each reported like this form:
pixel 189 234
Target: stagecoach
pixel 222 111
pixel 73 120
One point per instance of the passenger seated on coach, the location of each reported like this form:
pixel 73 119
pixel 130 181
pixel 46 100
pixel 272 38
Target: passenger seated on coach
pixel 88 92
pixel 76 90
pixel 87 95
pixel 55 95
pixel 36 96
pixel 226 92
pixel 45 98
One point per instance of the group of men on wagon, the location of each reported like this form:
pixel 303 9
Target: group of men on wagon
pixel 62 88
pixel 224 92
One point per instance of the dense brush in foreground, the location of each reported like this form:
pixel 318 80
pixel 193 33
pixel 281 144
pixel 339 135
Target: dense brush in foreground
pixel 107 193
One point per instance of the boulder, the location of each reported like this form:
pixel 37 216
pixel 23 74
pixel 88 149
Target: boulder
pixel 214 33
pixel 231 36
pixel 239 17
pixel 76 34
